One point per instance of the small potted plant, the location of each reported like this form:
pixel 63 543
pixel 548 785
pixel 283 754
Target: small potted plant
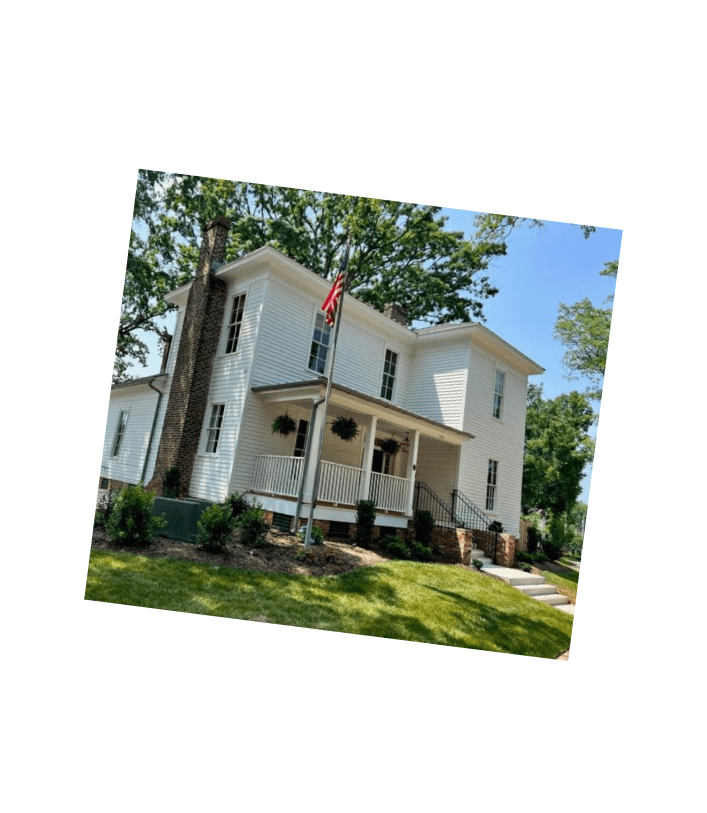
pixel 390 446
pixel 345 428
pixel 283 425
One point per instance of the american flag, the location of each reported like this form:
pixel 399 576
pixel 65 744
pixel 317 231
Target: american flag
pixel 332 300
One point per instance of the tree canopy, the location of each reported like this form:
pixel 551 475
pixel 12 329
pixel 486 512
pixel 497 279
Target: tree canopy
pixel 557 449
pixel 401 252
pixel 584 331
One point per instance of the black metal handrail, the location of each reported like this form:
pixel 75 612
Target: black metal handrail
pixel 427 500
pixel 467 513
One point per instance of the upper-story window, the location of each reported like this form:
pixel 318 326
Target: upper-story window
pixel 214 428
pixel 389 370
pixel 119 432
pixel 235 321
pixel 498 393
pixel 320 344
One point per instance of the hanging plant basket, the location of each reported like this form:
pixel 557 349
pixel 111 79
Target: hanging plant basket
pixel 345 428
pixel 390 446
pixel 283 425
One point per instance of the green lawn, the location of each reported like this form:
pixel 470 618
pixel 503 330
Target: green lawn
pixel 433 604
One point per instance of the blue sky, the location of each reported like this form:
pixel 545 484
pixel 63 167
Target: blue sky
pixel 544 267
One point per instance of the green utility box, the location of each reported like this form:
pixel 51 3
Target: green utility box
pixel 181 515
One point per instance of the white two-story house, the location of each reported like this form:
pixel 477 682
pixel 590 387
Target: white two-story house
pixel 251 344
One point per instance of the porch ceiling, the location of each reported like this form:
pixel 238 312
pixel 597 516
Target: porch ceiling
pixel 390 417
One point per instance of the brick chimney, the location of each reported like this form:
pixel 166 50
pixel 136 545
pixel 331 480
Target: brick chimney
pixel 198 344
pixel 398 313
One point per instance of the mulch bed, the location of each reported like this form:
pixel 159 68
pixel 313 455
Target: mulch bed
pixel 277 555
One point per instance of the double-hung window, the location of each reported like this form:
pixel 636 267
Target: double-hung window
pixel 235 322
pixel 320 344
pixel 491 485
pixel 498 394
pixel 119 432
pixel 214 429
pixel 389 368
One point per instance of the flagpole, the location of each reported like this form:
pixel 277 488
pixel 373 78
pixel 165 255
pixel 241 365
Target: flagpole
pixel 338 312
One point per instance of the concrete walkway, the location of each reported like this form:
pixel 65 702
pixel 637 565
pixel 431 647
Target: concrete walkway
pixel 534 586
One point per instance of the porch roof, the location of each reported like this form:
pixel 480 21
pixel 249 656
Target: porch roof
pixel 353 399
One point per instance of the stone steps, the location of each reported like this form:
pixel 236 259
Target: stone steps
pixel 534 586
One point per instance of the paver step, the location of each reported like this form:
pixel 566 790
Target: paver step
pixel 556 598
pixel 537 589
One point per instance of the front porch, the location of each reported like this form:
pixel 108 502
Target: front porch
pixel 350 471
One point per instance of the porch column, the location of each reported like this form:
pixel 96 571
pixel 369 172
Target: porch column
pixel 367 462
pixel 316 428
pixel 412 468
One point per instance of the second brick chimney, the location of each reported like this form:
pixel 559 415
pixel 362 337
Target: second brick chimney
pixel 398 313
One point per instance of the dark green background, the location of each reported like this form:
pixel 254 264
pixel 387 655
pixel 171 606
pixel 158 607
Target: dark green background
pixel 591 111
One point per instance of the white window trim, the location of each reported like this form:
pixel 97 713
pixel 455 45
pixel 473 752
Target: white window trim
pixel 493 510
pixel 496 371
pixel 205 430
pixel 121 412
pixel 313 327
pixel 395 379
pixel 227 321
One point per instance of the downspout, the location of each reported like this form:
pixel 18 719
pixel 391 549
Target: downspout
pixel 308 445
pixel 152 431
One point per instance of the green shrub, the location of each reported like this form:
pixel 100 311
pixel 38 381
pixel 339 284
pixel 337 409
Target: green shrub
pixel 103 510
pixel 522 556
pixel 534 537
pixel 539 556
pixel 524 566
pixel 365 520
pixel 477 563
pixel 396 547
pixel 560 535
pixel 131 521
pixel 575 548
pixel 423 525
pixel 253 527
pixel 317 535
pixel 496 527
pixel 170 482
pixel 238 504
pixel 215 527
pixel 420 552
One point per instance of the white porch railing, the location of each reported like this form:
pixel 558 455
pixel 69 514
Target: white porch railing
pixel 339 484
pixel 389 493
pixel 275 474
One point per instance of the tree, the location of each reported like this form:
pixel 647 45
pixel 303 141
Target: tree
pixel 584 330
pixel 401 252
pixel 557 449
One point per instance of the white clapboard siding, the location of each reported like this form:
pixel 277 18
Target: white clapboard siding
pixel 437 465
pixel 438 382
pixel 230 382
pixel 500 440
pixel 140 403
